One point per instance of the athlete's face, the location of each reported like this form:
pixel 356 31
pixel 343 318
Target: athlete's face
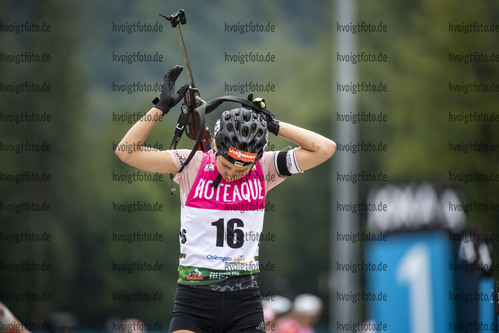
pixel 230 171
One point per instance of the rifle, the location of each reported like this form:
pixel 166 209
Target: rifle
pixel 194 108
pixel 188 119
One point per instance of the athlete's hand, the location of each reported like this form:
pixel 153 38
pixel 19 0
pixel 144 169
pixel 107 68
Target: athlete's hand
pixel 168 98
pixel 272 123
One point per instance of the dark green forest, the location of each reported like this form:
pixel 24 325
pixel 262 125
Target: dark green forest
pixel 71 88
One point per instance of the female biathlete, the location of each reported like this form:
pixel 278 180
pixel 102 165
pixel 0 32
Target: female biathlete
pixel 222 196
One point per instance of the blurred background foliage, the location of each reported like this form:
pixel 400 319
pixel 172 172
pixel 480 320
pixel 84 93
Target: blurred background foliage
pixel 83 133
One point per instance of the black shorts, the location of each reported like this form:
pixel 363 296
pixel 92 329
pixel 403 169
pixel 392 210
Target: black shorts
pixel 203 311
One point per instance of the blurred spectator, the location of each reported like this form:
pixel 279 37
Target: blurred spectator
pixel 306 311
pixel 129 325
pixel 133 325
pixel 9 323
pixel 274 309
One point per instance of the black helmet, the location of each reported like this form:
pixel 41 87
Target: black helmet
pixel 241 136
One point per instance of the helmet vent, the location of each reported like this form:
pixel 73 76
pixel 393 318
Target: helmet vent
pixel 253 128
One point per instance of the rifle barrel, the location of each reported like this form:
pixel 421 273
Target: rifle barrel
pixel 186 58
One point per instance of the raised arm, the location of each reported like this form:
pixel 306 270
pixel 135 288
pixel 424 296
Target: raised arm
pixel 314 148
pixel 131 150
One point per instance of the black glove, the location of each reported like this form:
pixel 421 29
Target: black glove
pixel 272 123
pixel 168 98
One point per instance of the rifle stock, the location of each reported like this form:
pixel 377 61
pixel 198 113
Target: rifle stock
pixel 192 98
